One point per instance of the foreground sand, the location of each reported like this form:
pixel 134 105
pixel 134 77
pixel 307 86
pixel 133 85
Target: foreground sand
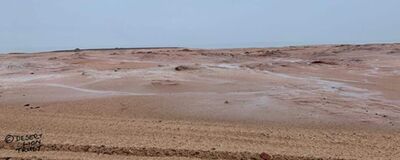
pixel 292 103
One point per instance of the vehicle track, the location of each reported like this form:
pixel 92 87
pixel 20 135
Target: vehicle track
pixel 154 152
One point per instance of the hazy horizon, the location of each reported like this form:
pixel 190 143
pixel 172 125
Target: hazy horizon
pixel 44 25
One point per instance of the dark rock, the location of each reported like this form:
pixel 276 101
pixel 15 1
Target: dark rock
pixel 183 68
pixel 265 156
pixel 323 62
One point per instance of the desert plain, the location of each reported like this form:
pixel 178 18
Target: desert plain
pixel 297 102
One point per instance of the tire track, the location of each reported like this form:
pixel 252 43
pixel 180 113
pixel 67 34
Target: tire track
pixel 156 152
pixel 26 158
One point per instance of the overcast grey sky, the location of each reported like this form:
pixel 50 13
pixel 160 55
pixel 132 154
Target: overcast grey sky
pixel 37 25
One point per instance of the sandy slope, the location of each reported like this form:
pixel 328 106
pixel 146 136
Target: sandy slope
pixel 294 102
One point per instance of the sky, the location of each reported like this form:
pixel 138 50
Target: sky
pixel 42 25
